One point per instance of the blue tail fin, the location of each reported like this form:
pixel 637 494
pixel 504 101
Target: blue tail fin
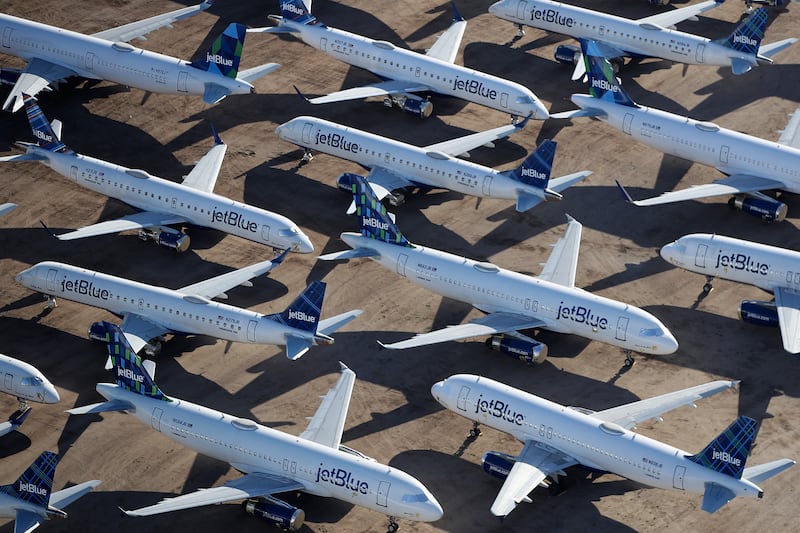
pixel 536 168
pixel 45 136
pixel 747 36
pixel 603 83
pixel 128 369
pixel 305 310
pixel 297 11
pixel 225 53
pixel 35 484
pixel 728 452
pixel 374 220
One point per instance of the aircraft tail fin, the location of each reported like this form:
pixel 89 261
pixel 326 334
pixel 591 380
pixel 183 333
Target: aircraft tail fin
pixel 129 371
pixel 747 36
pixel 42 130
pixel 304 312
pixel 297 11
pixel 375 221
pixel 35 484
pixel 535 170
pixel 728 452
pixel 225 52
pixel 603 84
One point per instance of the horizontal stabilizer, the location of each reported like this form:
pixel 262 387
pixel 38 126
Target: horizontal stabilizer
pixel 769 50
pixel 213 93
pixel 103 407
pixel 740 66
pixel 715 497
pixel 22 157
pixel 587 112
pixel 563 182
pixel 296 347
pixel 7 208
pixel 64 497
pixel 273 29
pixel 334 323
pixel 252 74
pixel 527 201
pixel 349 254
pixel 757 474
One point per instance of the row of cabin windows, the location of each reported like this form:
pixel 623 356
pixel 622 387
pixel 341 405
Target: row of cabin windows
pixel 190 316
pixel 151 195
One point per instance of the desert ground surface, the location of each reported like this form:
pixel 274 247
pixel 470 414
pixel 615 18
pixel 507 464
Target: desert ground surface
pixel 393 417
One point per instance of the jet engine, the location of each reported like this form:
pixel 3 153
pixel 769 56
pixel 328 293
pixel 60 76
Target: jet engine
pixel 759 313
pixel 276 512
pixel 498 464
pixel 524 349
pixel 165 236
pixel 567 54
pixel 411 104
pixel 760 206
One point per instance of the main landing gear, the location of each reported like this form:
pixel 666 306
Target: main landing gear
pixel 629 360
pixel 520 30
pixel 475 432
pixel 708 287
pixel 307 156
pixel 52 303
pixel 392 527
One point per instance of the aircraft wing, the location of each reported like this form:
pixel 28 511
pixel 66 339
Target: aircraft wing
pixel 144 219
pixel 608 50
pixel 327 424
pixel 670 18
pixel 532 466
pixel 37 75
pixel 788 303
pixel 248 486
pixel 203 176
pixel 64 497
pixel 446 46
pixel 790 135
pixel 734 184
pixel 463 145
pixel 216 287
pixel 487 325
pixel 629 415
pixel 563 261
pixel 139 330
pixel 382 181
pixel 374 89
pixel 137 30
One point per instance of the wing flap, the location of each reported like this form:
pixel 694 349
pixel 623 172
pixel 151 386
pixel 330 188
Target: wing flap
pixel 204 175
pixel 37 75
pixel 670 18
pixel 562 264
pixel 327 424
pixel 375 89
pixel 788 304
pixel 139 29
pixel 135 221
pixel 735 184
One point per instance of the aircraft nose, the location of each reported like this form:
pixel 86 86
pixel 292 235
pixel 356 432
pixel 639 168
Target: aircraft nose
pixel 668 253
pixel 437 391
pixel 23 277
pixel 670 343
pixel 540 112
pixel 303 245
pixel 496 7
pixel 433 510
pixel 51 395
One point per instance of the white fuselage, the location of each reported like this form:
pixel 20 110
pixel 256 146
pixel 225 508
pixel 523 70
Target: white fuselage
pixel 627 35
pixel 149 193
pixel 10 506
pixel 591 442
pixel 253 448
pixel 765 267
pixel 492 289
pixel 728 151
pixel 388 61
pixel 175 311
pixel 423 167
pixel 100 59
pixel 24 381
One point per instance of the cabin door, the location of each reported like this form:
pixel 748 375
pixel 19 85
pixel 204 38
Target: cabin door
pixel 677 479
pixel 701 49
pixel 463 394
pixel 265 232
pixel 7 37
pixel 700 256
pixel 89 61
pixel 251 331
pixel 522 6
pixel 383 493
pixel 723 154
pixel 504 100
pixel 8 382
pixel 487 186
pixel 51 279
pixel 401 264
pixel 155 420
pixel 73 172
pixel 622 328
pixel 307 132
pixel 182 77
pixel 626 124
pixel 323 44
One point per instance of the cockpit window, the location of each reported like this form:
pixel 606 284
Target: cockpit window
pixel 651 332
pixel 414 498
pixel 31 381
pixel 288 232
pixel 524 100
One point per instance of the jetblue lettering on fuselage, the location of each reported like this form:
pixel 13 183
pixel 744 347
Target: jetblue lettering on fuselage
pixel 726 457
pixel 552 16
pixel 741 262
pixel 341 478
pixel 127 373
pixel 31 488
pixel 498 409
pixel 84 287
pixel 581 315
pixel 474 87
pixel 302 316
pixel 375 223
pixel 232 218
pixel 336 140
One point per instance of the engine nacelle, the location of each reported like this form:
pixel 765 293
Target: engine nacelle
pixel 567 54
pixel 168 237
pixel 759 313
pixel 763 208
pixel 530 351
pixel 276 512
pixel 498 464
pixel 413 105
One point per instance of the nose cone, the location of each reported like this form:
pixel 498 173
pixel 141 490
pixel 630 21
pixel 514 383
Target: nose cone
pixel 670 254
pixel 51 394
pixel 540 111
pixel 431 510
pixel 497 7
pixel 286 130
pixel 303 244
pixel 668 344
pixel 23 277
pixel 437 391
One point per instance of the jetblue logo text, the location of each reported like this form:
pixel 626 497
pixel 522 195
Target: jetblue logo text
pixel 744 39
pixel 32 489
pixel 725 457
pixel 533 173
pixel 291 8
pixel 498 409
pixel 604 85
pixel 43 136
pixel 581 315
pixel 742 262
pixel 219 60
pixel 84 287
pixel 474 87
pixel 302 316
pixel 335 140
pixel 342 478
pixel 127 373
pixel 374 223
pixel 234 219
pixel 552 16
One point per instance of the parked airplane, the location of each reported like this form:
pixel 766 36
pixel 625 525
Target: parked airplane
pixel 53 54
pixel 751 164
pixel 618 37
pixel 29 501
pixel 149 312
pixel 556 437
pixel 772 269
pixel 7 208
pixel 161 201
pixel 272 462
pixel 403 72
pixel 25 382
pixel 511 301
pixel 398 168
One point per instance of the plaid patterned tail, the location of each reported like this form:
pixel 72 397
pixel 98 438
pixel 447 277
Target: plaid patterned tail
pixel 34 485
pixel 728 452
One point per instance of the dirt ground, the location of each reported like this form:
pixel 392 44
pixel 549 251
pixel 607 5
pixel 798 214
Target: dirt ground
pixel 392 415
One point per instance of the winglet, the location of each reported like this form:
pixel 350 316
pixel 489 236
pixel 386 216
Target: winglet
pixel 48 230
pixel 279 259
pixel 521 125
pixel 625 194
pixel 301 95
pixel 456 15
pixel 217 140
